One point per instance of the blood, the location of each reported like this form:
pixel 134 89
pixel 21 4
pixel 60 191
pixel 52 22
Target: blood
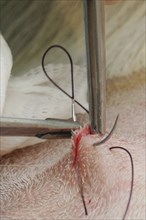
pixel 77 137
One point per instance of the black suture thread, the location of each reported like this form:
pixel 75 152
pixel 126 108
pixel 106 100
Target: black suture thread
pixel 72 97
pixel 132 177
pixel 109 135
pixel 80 184
pixel 131 159
pixel 72 78
pixel 84 203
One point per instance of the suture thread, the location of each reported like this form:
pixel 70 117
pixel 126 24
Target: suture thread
pixel 72 74
pixel 131 159
pixel 95 144
pixel 132 165
pixel 132 177
pixel 80 184
pixel 109 135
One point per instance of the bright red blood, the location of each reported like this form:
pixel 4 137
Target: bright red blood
pixel 77 137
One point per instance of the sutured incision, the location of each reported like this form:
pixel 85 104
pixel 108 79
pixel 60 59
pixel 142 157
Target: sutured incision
pixel 77 141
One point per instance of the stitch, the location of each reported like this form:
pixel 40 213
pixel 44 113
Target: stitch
pixel 85 131
pixel 77 135
pixel 76 141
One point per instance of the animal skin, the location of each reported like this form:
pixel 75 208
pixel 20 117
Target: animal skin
pixel 125 27
pixel 37 179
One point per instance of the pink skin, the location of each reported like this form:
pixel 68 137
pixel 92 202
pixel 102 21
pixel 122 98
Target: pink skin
pixel 38 182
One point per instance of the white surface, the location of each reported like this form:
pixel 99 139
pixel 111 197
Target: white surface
pixel 5 70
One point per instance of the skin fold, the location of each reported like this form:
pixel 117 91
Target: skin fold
pixel 38 180
pixel 37 98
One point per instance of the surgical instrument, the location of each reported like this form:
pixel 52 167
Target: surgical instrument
pixel 95 50
pixel 94 34
pixel 45 129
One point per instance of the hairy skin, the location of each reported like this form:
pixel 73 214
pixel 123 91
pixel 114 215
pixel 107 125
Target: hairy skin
pixel 38 181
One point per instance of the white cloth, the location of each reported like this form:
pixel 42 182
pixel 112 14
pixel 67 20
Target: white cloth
pixel 5 70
